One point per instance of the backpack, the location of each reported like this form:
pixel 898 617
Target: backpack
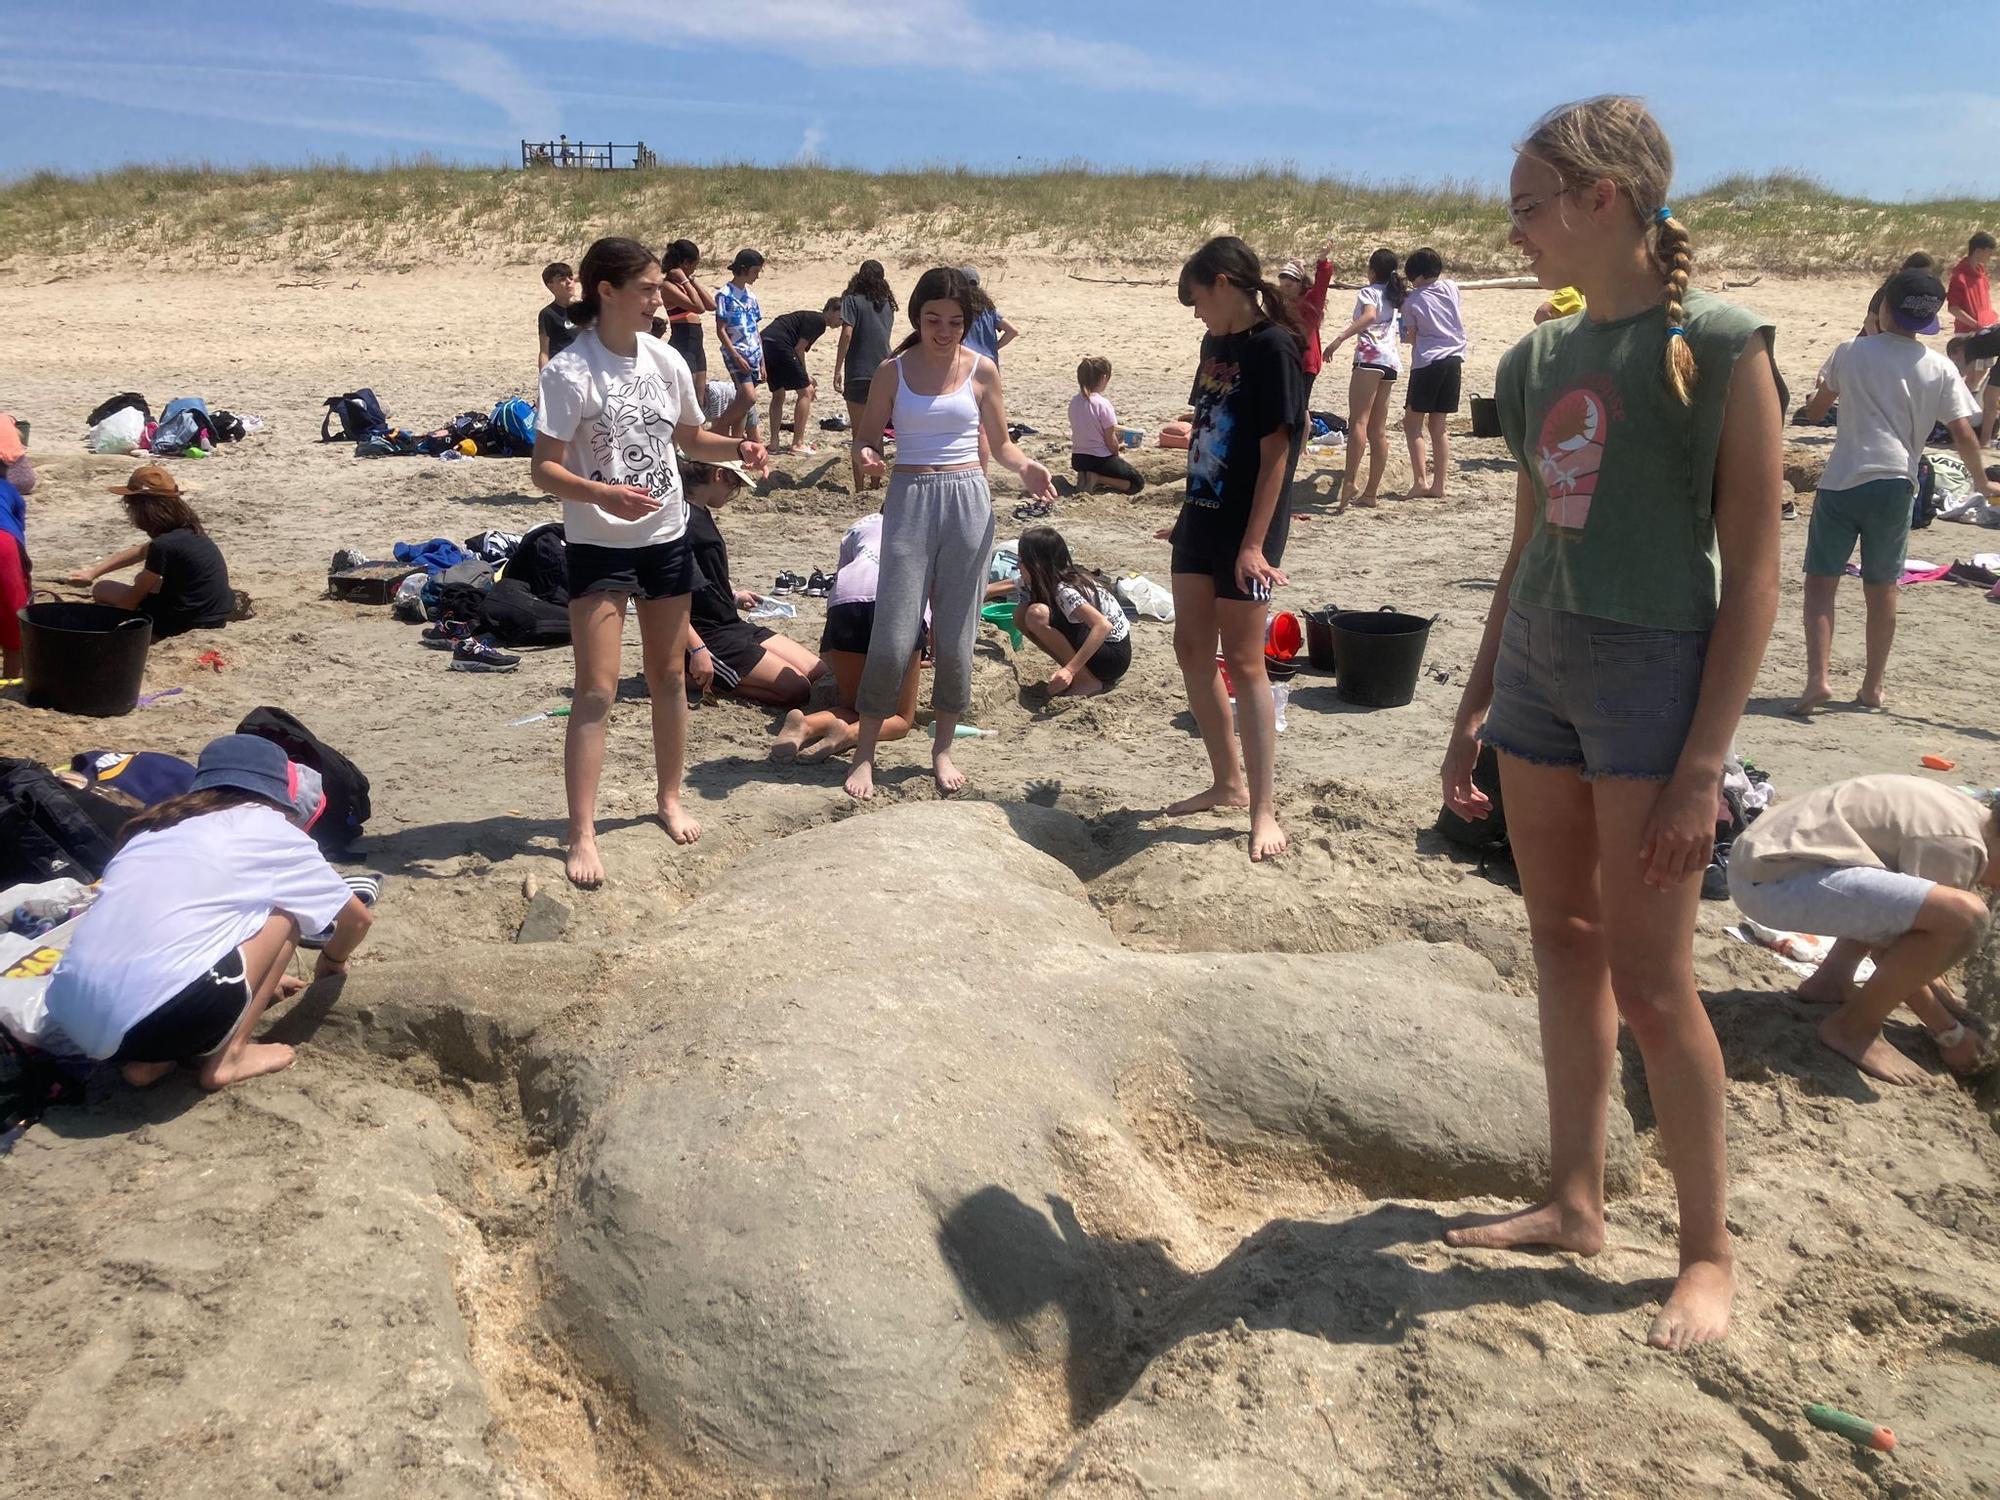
pixel 227 426
pixel 48 829
pixel 30 1081
pixel 358 414
pixel 346 788
pixel 513 616
pixel 132 399
pixel 1485 837
pixel 467 424
pixel 1924 508
pixel 513 423
pixel 541 562
pixel 180 432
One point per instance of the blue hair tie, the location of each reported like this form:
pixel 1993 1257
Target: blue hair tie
pixel 1664 214
pixel 1677 333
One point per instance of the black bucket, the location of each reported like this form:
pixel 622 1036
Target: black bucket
pixel 1377 656
pixel 1319 636
pixel 83 658
pixel 1485 417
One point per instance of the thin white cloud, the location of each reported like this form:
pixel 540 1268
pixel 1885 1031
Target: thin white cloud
pixel 481 71
pixel 811 141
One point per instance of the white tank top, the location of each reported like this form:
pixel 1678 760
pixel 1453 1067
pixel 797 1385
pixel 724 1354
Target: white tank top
pixel 941 430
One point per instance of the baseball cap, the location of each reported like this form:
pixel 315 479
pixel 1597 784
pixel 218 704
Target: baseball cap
pixel 970 273
pixel 1296 271
pixel 149 479
pixel 248 763
pixel 1912 300
pixel 734 466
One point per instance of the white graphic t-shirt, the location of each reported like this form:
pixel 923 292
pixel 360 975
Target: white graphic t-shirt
pixel 618 417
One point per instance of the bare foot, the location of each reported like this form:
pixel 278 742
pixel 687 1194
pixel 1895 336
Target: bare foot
pixel 145 1075
pixel 583 867
pixel 1078 691
pixel 1267 839
pixel 1815 696
pixel 1365 502
pixel 949 778
pixel 680 827
pixel 1546 1226
pixel 1877 1056
pixel 861 780
pixel 1871 701
pixel 1969 1056
pixel 1819 988
pixel 252 1060
pixel 791 736
pixel 1697 1310
pixel 1216 796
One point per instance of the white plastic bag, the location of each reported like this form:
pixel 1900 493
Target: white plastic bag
pixel 1144 597
pixel 118 433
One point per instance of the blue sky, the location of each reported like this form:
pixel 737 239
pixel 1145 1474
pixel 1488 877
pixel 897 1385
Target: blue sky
pixel 1420 89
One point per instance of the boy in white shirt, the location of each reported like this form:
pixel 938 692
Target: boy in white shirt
pixel 1892 390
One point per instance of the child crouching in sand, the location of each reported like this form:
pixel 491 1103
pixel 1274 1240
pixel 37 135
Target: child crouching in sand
pixel 1071 615
pixel 1888 865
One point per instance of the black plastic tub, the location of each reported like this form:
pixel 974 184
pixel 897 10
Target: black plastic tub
pixel 1377 656
pixel 83 658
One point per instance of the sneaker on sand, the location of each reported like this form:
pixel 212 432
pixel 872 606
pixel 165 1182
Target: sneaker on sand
pixel 818 585
pixel 480 655
pixel 446 634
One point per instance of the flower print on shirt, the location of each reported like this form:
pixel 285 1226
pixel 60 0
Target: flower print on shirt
pixel 634 438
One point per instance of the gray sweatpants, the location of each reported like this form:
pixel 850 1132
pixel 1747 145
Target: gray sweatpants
pixel 937 537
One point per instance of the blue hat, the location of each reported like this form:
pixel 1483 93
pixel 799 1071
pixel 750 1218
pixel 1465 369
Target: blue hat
pixel 248 763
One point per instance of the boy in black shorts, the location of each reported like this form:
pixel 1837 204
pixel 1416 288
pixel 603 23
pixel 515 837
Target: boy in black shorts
pixel 786 342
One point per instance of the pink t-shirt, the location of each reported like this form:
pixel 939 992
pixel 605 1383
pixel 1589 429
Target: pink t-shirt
pixel 1089 414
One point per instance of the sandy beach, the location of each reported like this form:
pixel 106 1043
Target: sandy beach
pixel 1866 1216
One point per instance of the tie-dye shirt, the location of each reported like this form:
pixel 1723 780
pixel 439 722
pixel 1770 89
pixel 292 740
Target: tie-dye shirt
pixel 737 311
pixel 1624 475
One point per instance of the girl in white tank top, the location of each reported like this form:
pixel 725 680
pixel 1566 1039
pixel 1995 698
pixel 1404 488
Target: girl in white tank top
pixel 937 514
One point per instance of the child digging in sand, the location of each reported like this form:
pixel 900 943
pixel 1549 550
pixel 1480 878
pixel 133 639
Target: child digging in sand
pixel 1892 391
pixel 1619 651
pixel 1071 616
pixel 843 646
pixel 1249 424
pixel 1888 865
pixel 1093 433
pixel 613 406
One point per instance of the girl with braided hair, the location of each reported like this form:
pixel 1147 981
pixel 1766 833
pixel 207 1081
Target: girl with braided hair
pixel 1624 636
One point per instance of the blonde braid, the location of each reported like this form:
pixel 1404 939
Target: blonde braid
pixel 1676 260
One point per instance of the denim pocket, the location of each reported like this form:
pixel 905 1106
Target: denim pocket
pixel 1635 675
pixel 1510 666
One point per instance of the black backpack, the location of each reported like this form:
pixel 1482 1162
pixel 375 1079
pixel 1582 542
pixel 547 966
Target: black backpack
pixel 346 788
pixel 1486 837
pixel 48 829
pixel 227 426
pixel 358 415
pixel 30 1081
pixel 542 563
pixel 1924 508
pixel 513 616
pixel 118 403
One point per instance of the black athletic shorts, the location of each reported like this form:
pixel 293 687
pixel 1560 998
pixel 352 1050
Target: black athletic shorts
pixel 855 392
pixel 1387 372
pixel 1113 467
pixel 1982 345
pixel 685 340
pixel 1205 547
pixel 196 1023
pixel 735 648
pixel 850 626
pixel 1434 388
pixel 784 370
pixel 662 570
pixel 1108 662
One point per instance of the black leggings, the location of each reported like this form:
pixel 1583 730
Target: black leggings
pixel 1113 467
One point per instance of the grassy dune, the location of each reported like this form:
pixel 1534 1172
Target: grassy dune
pixel 336 217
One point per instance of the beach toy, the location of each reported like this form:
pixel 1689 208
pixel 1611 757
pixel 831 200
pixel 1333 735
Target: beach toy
pixel 1939 763
pixel 1176 434
pixel 212 660
pixel 547 713
pixel 468 447
pixel 1131 437
pixel 196 452
pixel 1857 1430
pixel 1002 615
pixel 1283 636
pixel 972 732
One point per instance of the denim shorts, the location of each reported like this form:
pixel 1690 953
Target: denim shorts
pixel 1607 698
pixel 1841 901
pixel 1877 514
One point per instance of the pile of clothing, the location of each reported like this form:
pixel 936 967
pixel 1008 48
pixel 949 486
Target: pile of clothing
pixel 494 589
pixel 508 431
pixel 125 424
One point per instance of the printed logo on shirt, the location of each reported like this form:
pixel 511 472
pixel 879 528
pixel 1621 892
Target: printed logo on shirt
pixel 1570 451
pixel 633 441
pixel 1214 423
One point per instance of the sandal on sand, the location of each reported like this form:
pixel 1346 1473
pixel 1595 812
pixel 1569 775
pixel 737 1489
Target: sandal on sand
pixel 1033 510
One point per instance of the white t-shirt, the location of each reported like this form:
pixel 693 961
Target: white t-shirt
pixel 1381 342
pixel 177 901
pixel 618 417
pixel 1892 391
pixel 1071 601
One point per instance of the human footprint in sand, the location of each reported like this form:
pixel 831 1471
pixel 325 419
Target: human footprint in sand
pixel 1249 424
pixel 613 406
pixel 196 920
pixel 937 527
pixel 1611 782
pixel 1883 864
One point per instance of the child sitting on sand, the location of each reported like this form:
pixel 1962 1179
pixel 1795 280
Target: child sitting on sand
pixel 199 915
pixel 1093 433
pixel 1071 615
pixel 843 646
pixel 726 653
pixel 183 583
pixel 1882 864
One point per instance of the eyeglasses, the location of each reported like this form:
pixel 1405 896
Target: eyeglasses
pixel 1519 213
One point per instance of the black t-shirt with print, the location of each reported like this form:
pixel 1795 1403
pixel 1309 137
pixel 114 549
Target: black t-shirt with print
pixel 1248 385
pixel 555 326
pixel 714 601
pixel 194 584
pixel 795 330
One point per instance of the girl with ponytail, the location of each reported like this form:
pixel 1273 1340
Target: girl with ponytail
pixel 1378 360
pixel 1624 636
pixel 1249 423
